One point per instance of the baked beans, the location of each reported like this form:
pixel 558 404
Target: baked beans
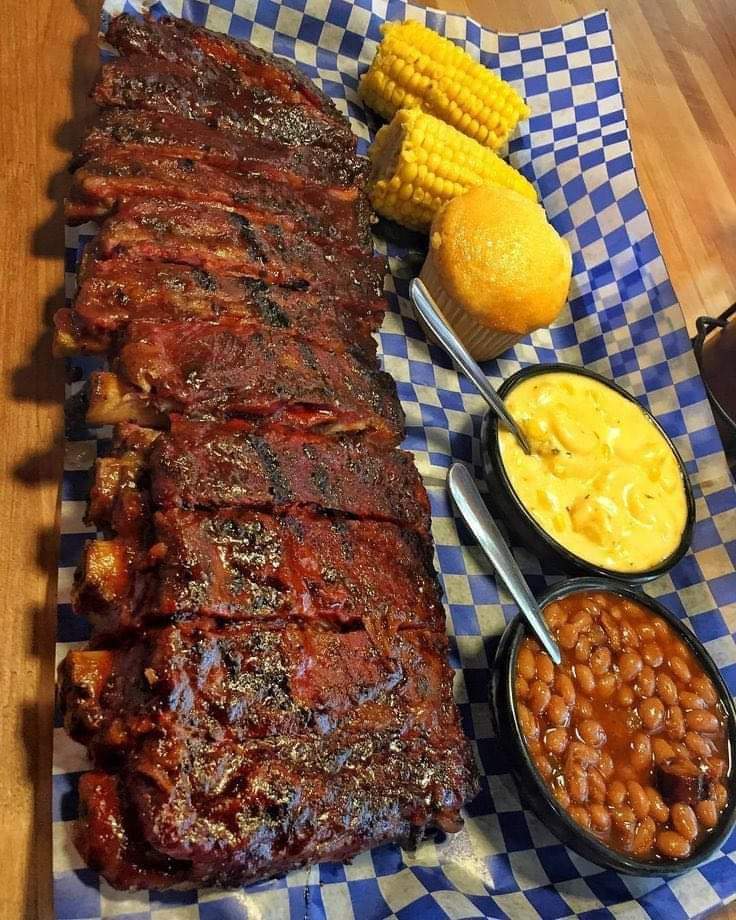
pixel 628 732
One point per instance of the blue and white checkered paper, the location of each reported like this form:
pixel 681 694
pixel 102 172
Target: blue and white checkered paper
pixel 622 321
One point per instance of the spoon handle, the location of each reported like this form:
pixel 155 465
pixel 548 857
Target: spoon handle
pixel 426 306
pixel 474 512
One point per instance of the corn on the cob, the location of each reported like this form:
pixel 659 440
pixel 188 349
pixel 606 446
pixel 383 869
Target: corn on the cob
pixel 418 163
pixel 415 67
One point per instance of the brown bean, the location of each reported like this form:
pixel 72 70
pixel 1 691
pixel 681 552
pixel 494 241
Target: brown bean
pixel 568 636
pixel 616 793
pixel 698 744
pixel 596 786
pixel 555 740
pixel 521 688
pixel 539 697
pixel 716 767
pixel 583 754
pixel 529 725
pixel 645 682
pixel 662 750
pixel 646 632
pixel 684 821
pixel 599 817
pixel 625 696
pixel 592 733
pixel 526 664
pixel 560 793
pixel 557 712
pixel 707 813
pixel 585 678
pixel 626 772
pixel 580 815
pixel 555 615
pixel 629 665
pixel 606 686
pixel 661 629
pixel 703 686
pixel 671 845
pixel 719 795
pixel 605 765
pixel 624 818
pixel 644 836
pixel 545 668
pixel 629 636
pixel 666 689
pixel 596 634
pixel 657 808
pixel 544 766
pixel 600 661
pixel 680 669
pixel 583 648
pixel 701 720
pixel 651 713
pixel 583 708
pixel 565 687
pixel 691 700
pixel 652 654
pixel 582 620
pixel 638 799
pixel 675 723
pixel 641 751
pixel 617 611
pixel 576 782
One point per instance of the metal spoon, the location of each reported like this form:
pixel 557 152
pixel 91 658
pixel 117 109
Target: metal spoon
pixel 429 311
pixel 474 512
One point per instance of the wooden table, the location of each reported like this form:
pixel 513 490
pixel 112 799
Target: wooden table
pixel 677 60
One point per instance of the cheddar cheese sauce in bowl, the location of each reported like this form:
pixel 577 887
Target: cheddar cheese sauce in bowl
pixel 604 491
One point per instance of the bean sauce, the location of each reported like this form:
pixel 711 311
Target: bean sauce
pixel 628 732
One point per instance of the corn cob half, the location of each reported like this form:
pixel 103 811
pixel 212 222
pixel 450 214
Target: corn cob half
pixel 415 67
pixel 418 163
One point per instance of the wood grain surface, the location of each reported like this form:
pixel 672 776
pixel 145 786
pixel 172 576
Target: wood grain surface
pixel 678 63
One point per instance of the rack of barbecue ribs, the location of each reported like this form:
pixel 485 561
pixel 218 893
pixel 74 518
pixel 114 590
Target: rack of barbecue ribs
pixel 267 682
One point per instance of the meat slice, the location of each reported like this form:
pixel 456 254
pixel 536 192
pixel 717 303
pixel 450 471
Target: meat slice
pixel 140 133
pixel 103 184
pixel 250 681
pixel 233 369
pixel 205 465
pixel 247 565
pixel 271 248
pixel 175 39
pixel 113 292
pixel 249 751
pixel 216 100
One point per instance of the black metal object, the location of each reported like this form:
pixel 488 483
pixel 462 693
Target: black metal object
pixel 725 421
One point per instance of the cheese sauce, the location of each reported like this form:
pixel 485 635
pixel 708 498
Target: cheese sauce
pixel 601 479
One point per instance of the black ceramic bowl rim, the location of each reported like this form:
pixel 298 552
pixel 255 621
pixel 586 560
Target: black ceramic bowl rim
pixel 552 814
pixel 494 467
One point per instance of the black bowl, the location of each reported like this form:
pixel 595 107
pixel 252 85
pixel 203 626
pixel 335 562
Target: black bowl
pixel 525 528
pixel 533 788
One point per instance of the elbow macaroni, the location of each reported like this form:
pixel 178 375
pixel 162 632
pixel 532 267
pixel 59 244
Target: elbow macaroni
pixel 601 479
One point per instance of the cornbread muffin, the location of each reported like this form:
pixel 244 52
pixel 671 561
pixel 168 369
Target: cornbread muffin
pixel 497 268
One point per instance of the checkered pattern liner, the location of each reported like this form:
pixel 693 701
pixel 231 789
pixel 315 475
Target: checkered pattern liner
pixel 623 321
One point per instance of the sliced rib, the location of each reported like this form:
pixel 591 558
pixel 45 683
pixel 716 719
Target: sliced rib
pixel 232 369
